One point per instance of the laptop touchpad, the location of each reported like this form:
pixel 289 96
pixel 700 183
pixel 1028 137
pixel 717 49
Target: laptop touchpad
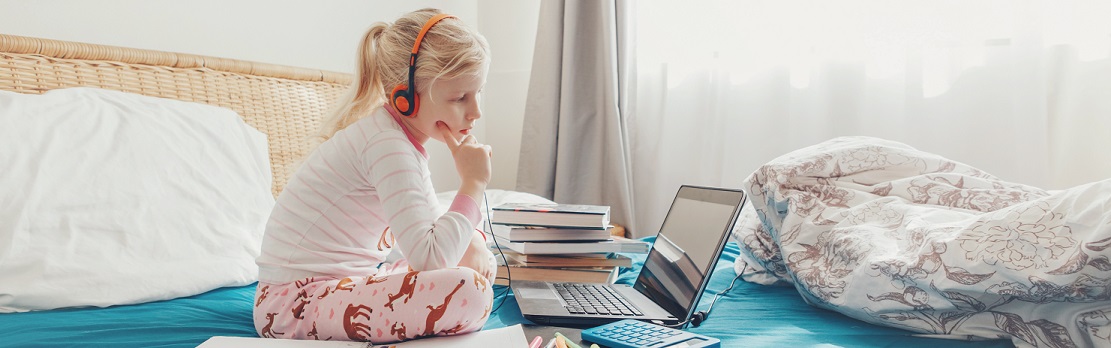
pixel 540 294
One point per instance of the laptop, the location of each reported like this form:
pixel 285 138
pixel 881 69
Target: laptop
pixel 673 278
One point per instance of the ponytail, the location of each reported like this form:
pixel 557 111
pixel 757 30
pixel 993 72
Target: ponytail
pixel 366 90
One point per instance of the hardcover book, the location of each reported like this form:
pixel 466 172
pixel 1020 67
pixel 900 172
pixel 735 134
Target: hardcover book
pixel 545 234
pixel 575 260
pixel 613 245
pixel 583 275
pixel 552 215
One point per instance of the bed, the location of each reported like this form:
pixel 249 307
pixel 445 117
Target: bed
pixel 284 103
pixel 749 315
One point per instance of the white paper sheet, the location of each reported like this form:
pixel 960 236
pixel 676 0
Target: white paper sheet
pixel 510 336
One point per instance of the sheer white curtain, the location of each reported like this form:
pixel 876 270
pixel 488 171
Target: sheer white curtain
pixel 1020 89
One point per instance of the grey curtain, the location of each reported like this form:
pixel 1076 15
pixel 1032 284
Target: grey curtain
pixel 574 147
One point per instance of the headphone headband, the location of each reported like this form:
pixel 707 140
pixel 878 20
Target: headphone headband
pixel 424 30
pixel 404 97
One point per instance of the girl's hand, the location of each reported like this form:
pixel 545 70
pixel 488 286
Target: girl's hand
pixel 472 159
pixel 478 257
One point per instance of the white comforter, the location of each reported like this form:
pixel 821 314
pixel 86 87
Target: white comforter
pixel 891 235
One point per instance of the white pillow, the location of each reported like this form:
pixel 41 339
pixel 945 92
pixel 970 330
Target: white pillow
pixel 113 198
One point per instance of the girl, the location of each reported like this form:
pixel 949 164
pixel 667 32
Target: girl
pixel 366 189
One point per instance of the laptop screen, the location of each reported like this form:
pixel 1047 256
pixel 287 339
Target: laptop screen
pixel 688 246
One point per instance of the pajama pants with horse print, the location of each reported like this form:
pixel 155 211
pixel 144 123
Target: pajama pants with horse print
pixel 394 305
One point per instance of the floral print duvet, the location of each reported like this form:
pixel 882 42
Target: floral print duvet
pixel 894 236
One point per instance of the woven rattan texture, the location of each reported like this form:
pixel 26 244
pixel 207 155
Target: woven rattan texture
pixel 286 103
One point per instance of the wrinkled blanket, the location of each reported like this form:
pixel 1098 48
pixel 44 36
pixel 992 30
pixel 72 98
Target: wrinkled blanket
pixel 894 236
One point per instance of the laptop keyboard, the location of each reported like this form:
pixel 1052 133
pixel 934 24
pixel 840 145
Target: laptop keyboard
pixel 594 299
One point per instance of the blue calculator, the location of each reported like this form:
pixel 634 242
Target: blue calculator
pixel 631 333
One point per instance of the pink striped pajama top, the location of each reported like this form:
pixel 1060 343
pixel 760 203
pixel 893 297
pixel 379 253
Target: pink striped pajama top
pixel 328 232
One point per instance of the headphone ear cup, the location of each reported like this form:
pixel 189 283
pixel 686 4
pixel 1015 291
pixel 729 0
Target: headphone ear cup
pixel 414 100
pixel 403 101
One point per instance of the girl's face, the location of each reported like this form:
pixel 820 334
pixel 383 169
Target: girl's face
pixel 451 101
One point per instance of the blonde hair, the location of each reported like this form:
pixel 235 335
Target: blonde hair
pixel 450 49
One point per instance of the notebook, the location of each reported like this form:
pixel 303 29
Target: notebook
pixel 673 278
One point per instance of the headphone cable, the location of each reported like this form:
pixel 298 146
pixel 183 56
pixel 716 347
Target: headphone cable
pixel 508 273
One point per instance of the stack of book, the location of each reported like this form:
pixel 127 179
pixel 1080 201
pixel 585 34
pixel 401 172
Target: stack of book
pixel 559 242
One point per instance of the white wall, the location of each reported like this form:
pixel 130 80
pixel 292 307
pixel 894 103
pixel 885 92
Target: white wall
pixel 315 34
pixel 510 26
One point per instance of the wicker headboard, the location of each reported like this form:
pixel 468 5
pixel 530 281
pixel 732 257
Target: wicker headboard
pixel 284 102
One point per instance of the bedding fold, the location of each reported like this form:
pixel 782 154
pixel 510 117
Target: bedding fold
pixel 894 236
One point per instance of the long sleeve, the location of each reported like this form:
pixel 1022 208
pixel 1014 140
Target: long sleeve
pixel 400 176
pixel 333 216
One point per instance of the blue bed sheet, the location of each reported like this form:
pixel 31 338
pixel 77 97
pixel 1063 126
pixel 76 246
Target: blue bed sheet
pixel 749 315
pixel 182 322
pixel 753 315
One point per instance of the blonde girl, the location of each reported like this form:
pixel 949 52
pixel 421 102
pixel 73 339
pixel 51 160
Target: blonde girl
pixel 366 190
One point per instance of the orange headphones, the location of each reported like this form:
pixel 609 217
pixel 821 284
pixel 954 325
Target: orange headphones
pixel 404 97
